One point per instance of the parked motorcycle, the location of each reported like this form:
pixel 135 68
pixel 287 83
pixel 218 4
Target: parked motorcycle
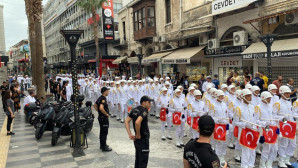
pixel 45 121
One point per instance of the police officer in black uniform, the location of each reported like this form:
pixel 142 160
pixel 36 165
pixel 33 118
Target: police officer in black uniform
pixel 139 115
pixel 198 152
pixel 101 106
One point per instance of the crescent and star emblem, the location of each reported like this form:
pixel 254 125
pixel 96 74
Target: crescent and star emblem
pixel 220 127
pixel 252 137
pixel 287 133
pixel 176 115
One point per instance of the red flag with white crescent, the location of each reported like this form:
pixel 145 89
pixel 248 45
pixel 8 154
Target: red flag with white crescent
pixel 163 114
pixel 288 129
pixel 188 120
pixel 177 118
pixel 195 123
pixel 249 138
pixel 271 135
pixel 220 132
pixel 236 131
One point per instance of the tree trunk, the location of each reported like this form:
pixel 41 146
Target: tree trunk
pixel 95 28
pixel 30 16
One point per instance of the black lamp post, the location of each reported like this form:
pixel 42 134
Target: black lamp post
pixel 268 41
pixel 72 38
pixel 140 57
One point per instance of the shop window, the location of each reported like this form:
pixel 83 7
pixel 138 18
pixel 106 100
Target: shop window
pixel 168 11
pixel 194 71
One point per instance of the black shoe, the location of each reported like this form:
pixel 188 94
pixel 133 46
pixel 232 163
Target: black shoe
pixel 290 166
pixel 106 149
pixel 11 133
pixel 151 114
pixel 106 146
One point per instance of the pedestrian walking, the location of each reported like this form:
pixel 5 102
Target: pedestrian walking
pixel 16 97
pixel 139 115
pixel 198 152
pixel 102 108
pixel 201 81
pixel 9 110
pixel 257 81
pixel 215 81
pixel 265 78
pixel 3 89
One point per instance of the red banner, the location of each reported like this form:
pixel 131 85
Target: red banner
pixel 189 120
pixel 288 130
pixel 220 132
pixel 236 131
pixel 249 138
pixel 163 114
pixel 270 136
pixel 177 118
pixel 195 123
pixel 90 20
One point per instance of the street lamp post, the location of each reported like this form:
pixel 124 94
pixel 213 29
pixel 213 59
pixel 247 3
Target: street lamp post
pixel 72 38
pixel 268 41
pixel 140 57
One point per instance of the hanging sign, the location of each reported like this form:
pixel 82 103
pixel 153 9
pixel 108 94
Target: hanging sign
pixel 108 20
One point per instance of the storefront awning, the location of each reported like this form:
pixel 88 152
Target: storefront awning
pixel 280 48
pixel 219 9
pixel 156 57
pixel 119 60
pixel 133 60
pixel 182 56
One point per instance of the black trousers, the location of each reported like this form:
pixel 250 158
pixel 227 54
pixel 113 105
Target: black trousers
pixel 142 153
pixel 3 103
pixel 104 130
pixel 9 121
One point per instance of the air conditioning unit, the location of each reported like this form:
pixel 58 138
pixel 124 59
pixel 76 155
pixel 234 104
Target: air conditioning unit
pixel 162 39
pixel 240 38
pixel 213 43
pixel 203 39
pixel 291 19
pixel 155 39
pixel 156 48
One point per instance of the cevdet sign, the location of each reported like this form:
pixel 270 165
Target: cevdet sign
pixel 222 6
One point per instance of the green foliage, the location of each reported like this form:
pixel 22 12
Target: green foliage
pixel 88 4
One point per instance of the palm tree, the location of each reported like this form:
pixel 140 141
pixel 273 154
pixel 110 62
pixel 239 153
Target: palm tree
pixel 34 15
pixel 90 6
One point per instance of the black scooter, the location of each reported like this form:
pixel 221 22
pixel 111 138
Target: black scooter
pixel 45 121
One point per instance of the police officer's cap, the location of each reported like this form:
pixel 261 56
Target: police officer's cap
pixel 103 89
pixel 206 125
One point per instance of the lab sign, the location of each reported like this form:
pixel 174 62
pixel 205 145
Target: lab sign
pixel 221 6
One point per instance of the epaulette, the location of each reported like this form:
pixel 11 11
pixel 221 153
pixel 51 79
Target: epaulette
pixel 295 104
pixel 277 106
pixel 226 99
pixel 211 106
pixel 258 110
pixel 189 106
pixel 238 112
pixel 172 102
pixel 231 105
pixel 186 100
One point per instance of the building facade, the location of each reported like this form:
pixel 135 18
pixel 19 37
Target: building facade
pixel 2 35
pixel 210 37
pixel 20 56
pixel 66 15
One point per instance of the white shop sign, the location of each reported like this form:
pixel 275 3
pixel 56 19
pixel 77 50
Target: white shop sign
pixel 228 62
pixel 222 6
pixel 176 61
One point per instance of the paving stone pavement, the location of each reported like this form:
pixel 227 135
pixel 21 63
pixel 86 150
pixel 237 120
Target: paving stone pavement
pixel 26 152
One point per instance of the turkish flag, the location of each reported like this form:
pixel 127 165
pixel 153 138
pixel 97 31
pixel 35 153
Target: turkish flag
pixel 288 130
pixel 163 114
pixel 220 132
pixel 249 138
pixel 189 120
pixel 236 131
pixel 176 118
pixel 270 136
pixel 195 123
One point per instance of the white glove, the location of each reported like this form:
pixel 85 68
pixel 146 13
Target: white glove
pixel 198 114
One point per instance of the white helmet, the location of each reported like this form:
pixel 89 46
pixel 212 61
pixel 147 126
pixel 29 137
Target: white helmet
pixel 167 83
pixel 167 78
pixel 193 85
pixel 248 86
pixel 284 89
pixel 223 86
pixel 208 87
pixel 130 78
pixel 231 87
pixel 271 87
pixel 117 83
pixel 255 88
pixel 177 90
pixel 238 93
pixel 191 88
pixel 150 80
pixel 265 95
pixel 219 93
pixel 129 81
pixel 161 79
pixel 212 91
pixel 164 89
pixel 197 93
pixel 244 93
pixel 179 87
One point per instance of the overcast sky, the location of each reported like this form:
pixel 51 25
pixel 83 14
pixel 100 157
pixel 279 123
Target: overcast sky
pixel 15 21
